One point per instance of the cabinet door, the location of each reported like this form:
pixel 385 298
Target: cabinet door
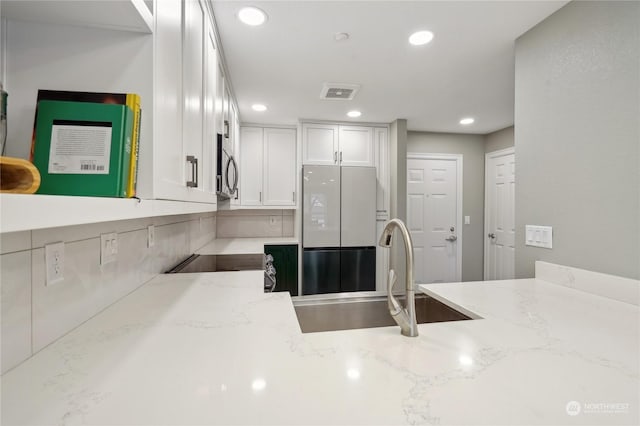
pixel 279 167
pixel 381 142
pixel 193 89
pixel 235 141
pixel 285 260
pixel 356 146
pixel 209 149
pixel 251 159
pixel 319 144
pixel 169 170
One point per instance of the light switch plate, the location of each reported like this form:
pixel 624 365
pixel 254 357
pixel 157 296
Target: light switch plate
pixel 54 263
pixel 467 220
pixel 108 248
pixel 539 236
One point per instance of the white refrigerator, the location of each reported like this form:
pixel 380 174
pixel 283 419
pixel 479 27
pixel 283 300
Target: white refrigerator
pixel 338 229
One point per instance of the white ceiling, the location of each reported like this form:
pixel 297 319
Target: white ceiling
pixel 467 70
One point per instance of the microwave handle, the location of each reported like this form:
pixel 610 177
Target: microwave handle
pixel 232 162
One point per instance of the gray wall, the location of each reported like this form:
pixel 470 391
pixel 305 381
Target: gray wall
pixel 398 160
pixel 577 135
pixel 499 140
pixel 398 194
pixel 472 149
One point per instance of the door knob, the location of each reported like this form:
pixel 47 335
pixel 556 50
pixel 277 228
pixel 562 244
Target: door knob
pixel 451 238
pixel 492 235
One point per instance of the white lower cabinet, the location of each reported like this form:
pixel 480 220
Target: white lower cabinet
pixel 267 167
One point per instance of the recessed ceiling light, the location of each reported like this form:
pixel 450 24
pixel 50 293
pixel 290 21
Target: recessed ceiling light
pixel 466 121
pixel 354 114
pixel 252 16
pixel 420 37
pixel 259 107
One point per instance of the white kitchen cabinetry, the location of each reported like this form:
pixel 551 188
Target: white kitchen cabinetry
pixel 268 167
pixel 168 55
pixel 329 144
pixel 279 167
pixel 319 144
pixel 381 145
pixel 251 161
pixel 188 161
pixel 356 146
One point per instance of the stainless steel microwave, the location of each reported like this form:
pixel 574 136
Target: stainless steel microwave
pixel 226 172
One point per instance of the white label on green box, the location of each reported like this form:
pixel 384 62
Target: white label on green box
pixel 80 147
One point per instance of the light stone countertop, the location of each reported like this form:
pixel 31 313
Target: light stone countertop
pixel 212 348
pixel 243 245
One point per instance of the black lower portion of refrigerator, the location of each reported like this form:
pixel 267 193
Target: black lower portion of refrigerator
pixel 336 270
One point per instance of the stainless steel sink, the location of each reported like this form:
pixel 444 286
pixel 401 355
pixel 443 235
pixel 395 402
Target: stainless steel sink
pixel 338 314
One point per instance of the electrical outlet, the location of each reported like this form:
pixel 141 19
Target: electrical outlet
pixel 151 236
pixel 108 248
pixel 54 262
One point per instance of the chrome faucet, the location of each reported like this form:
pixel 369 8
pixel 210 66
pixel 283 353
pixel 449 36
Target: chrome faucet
pixel 404 317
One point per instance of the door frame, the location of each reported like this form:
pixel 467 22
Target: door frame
pixel 487 157
pixel 459 185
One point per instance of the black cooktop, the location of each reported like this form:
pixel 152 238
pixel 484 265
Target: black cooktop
pixel 219 262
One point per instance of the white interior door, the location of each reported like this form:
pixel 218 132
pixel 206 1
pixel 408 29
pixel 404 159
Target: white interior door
pixel 500 183
pixel 434 211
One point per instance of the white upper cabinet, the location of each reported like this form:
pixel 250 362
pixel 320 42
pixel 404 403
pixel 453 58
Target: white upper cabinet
pixel 209 143
pixel 187 162
pixel 267 167
pixel 251 160
pixel 330 144
pixel 319 144
pixel 164 50
pixel 169 164
pixel 356 146
pixel 279 167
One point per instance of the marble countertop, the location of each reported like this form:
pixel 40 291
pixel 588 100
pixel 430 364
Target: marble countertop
pixel 213 348
pixel 243 245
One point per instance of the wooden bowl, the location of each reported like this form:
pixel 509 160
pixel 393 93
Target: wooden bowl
pixel 18 176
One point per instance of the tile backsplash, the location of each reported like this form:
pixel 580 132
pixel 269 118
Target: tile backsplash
pixel 34 314
pixel 255 223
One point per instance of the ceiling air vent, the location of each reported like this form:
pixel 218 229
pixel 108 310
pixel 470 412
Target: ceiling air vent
pixel 339 91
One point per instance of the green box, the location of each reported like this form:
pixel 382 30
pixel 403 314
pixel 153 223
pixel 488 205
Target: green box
pixel 83 148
